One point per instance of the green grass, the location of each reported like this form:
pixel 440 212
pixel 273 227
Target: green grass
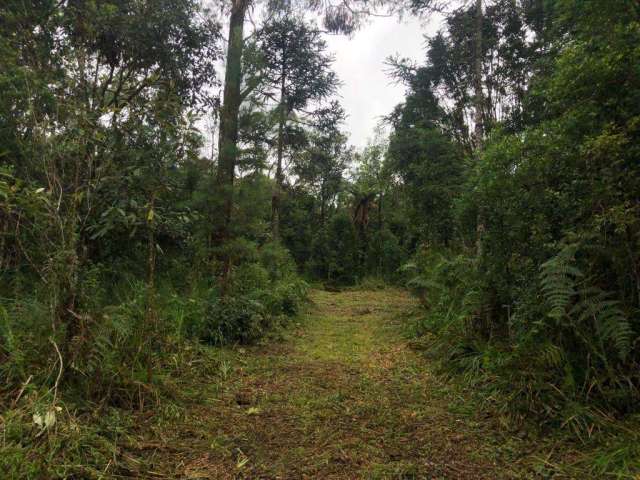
pixel 339 395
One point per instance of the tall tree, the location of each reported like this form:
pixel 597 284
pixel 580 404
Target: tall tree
pixel 229 115
pixel 478 99
pixel 322 163
pixel 295 72
pixel 340 16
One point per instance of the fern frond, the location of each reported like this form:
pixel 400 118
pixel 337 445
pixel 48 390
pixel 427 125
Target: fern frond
pixel 408 267
pixel 551 355
pixel 611 324
pixel 558 278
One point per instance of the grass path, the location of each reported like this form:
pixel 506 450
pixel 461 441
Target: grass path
pixel 341 397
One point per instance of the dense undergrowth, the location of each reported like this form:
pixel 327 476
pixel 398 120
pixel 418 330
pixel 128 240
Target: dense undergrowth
pixel 533 378
pixel 62 412
pixel 529 275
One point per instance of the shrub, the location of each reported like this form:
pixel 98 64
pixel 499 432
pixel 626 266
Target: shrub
pixel 277 261
pixel 564 343
pixel 335 252
pixel 385 255
pixel 291 293
pixel 24 330
pixel 249 277
pixel 235 319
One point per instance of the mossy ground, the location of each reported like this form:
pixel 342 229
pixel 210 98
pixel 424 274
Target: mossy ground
pixel 341 396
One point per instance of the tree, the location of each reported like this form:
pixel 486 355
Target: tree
pixel 93 65
pixel 229 115
pixel 343 16
pixel 295 71
pixel 321 165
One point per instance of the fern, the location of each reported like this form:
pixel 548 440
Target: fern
pixel 578 304
pixel 558 278
pixel 550 355
pixel 12 366
pixel 612 326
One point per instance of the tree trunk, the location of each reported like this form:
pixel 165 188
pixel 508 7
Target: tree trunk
pixel 486 311
pixel 228 135
pixel 477 80
pixel 151 255
pixel 478 117
pixel 322 205
pixel 277 190
pixel 380 195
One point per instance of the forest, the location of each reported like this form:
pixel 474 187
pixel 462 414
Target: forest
pixel 201 277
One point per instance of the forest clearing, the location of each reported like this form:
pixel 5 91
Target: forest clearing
pixel 342 397
pixel 320 239
pixel 343 393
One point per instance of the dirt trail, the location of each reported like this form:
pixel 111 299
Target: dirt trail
pixel 342 397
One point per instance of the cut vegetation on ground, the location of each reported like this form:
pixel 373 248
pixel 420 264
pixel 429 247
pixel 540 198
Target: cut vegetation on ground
pixel 342 396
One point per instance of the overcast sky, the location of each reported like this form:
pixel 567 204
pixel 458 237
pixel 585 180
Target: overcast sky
pixel 367 92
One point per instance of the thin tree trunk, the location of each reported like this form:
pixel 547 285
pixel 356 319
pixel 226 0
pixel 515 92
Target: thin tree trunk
pixel 380 195
pixel 486 313
pixel 277 190
pixel 68 272
pixel 151 250
pixel 477 80
pixel 228 135
pixel 478 117
pixel 379 266
pixel 322 205
pixel 3 235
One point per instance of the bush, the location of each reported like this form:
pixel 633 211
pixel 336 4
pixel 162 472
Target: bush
pixel 24 329
pixel 335 252
pixel 277 261
pixel 291 293
pixel 564 343
pixel 235 319
pixel 261 295
pixel 248 278
pixel 385 255
pixel 245 318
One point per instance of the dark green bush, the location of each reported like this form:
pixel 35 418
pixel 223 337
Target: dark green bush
pixel 385 255
pixel 277 261
pixel 249 277
pixel 334 255
pixel 260 296
pixel 239 319
pixel 290 294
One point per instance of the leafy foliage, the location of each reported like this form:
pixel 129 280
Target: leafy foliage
pixel 573 305
pixel 532 295
pixel 508 188
pixel 108 258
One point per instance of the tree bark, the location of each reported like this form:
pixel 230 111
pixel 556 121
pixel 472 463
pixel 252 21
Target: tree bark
pixel 477 80
pixel 277 190
pixel 228 136
pixel 478 117
pixel 322 205
pixel 151 323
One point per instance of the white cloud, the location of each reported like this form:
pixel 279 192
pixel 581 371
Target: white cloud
pixel 367 93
